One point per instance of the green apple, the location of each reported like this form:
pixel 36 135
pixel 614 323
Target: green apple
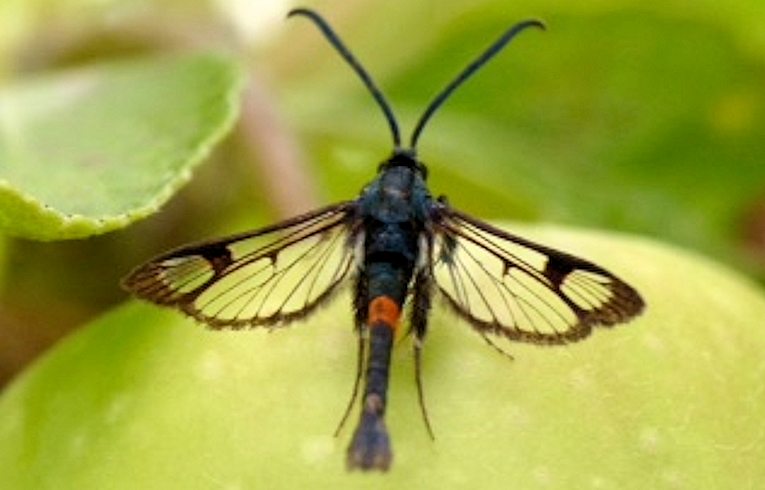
pixel 143 398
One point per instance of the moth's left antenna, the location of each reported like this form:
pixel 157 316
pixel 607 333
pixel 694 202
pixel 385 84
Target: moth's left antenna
pixel 360 71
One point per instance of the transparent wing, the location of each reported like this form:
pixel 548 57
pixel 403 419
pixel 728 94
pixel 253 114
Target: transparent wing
pixel 505 285
pixel 265 277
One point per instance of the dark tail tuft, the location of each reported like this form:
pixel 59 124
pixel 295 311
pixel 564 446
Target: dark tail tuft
pixel 370 447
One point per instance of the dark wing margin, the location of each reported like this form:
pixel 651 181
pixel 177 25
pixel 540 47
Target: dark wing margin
pixel 506 285
pixel 266 277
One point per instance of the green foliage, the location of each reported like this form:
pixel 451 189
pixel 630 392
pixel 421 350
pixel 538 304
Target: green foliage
pixel 91 150
pixel 622 116
pixel 143 398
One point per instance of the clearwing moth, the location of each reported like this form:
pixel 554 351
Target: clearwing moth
pixel 397 246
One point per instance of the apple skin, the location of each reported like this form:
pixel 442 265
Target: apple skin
pixel 143 398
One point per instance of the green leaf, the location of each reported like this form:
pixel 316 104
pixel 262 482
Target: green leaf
pixel 92 150
pixel 143 398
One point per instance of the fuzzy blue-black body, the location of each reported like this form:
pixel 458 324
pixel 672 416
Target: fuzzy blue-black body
pixel 393 209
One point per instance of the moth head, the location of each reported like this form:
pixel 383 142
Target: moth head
pixel 404 158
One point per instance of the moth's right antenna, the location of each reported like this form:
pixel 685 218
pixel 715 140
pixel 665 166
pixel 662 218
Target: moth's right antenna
pixel 469 70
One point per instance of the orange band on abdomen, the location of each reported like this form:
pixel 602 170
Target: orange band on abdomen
pixel 383 310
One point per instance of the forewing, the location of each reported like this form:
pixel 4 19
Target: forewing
pixel 266 277
pixel 506 285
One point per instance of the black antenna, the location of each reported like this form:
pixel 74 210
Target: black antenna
pixel 360 71
pixel 473 67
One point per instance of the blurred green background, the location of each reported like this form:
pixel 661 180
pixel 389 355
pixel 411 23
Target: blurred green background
pixel 644 119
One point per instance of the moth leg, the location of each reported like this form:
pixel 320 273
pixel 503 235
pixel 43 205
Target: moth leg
pixel 421 302
pixel 356 382
pixel 359 305
pixel 496 347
